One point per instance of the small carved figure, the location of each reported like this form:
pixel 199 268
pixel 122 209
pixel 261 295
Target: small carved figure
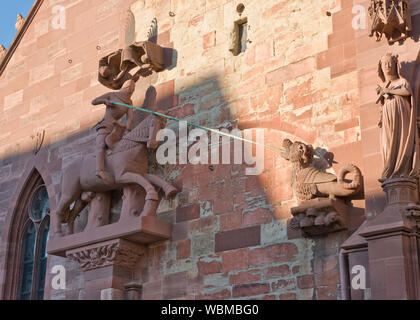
pixel 398 122
pixel 19 22
pixel 308 182
pixel 390 17
pixel 3 53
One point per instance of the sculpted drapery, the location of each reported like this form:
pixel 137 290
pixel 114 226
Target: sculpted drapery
pixel 399 137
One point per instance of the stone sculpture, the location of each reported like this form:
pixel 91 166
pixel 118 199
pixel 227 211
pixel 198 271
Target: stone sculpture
pixel 3 53
pixel 398 122
pixel 121 159
pixel 114 68
pixel 105 127
pixel 308 182
pixel 127 164
pixel 19 22
pixel 391 18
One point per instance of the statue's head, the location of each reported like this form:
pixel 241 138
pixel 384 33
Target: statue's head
pixel 298 152
pixel 388 67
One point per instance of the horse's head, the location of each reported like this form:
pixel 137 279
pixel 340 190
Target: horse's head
pixel 146 131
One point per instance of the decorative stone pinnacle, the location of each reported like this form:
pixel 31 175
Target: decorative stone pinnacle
pixel 20 21
pixel 3 52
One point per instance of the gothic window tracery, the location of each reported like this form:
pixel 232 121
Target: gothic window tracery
pixel 34 242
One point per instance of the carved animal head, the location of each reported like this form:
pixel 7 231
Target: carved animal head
pixel 298 152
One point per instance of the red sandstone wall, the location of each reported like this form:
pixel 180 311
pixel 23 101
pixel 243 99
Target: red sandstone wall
pixel 298 79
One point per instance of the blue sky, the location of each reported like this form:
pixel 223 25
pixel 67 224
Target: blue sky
pixel 8 13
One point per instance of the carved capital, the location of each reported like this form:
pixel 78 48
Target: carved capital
pixel 115 252
pixel 401 190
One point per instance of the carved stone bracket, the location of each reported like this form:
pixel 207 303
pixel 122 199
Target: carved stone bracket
pixel 114 252
pixel 141 230
pixel 412 212
pixel 320 216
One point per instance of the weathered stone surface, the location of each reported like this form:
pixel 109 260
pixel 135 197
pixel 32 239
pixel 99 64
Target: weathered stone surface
pixel 239 238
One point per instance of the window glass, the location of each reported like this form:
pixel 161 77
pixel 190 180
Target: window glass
pixel 34 242
pixel 243 35
pixel 28 262
pixel 39 204
pixel 42 258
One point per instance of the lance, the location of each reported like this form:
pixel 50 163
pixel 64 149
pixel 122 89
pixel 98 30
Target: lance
pixel 199 126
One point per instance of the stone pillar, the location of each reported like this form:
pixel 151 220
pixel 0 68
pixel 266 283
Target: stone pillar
pixel 133 290
pixel 392 238
pixel 107 267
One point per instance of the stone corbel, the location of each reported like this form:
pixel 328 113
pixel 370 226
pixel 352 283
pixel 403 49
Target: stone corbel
pixel 117 252
pixel 319 216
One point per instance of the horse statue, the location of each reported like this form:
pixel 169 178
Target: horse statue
pixel 126 160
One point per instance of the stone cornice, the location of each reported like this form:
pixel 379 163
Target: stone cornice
pixel 19 35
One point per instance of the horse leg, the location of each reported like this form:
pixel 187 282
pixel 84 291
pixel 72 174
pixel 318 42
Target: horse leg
pixel 130 177
pixel 78 207
pixel 70 192
pixel 170 190
pixel 63 211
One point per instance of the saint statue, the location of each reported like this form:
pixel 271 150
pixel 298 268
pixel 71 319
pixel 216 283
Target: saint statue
pixel 398 122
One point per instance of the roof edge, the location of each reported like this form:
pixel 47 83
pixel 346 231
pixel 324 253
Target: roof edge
pixel 16 41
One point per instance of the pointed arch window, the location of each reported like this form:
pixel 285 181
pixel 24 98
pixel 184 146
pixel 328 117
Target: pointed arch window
pixel 34 243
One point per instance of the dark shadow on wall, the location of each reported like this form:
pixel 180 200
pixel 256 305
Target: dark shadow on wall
pixel 415 34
